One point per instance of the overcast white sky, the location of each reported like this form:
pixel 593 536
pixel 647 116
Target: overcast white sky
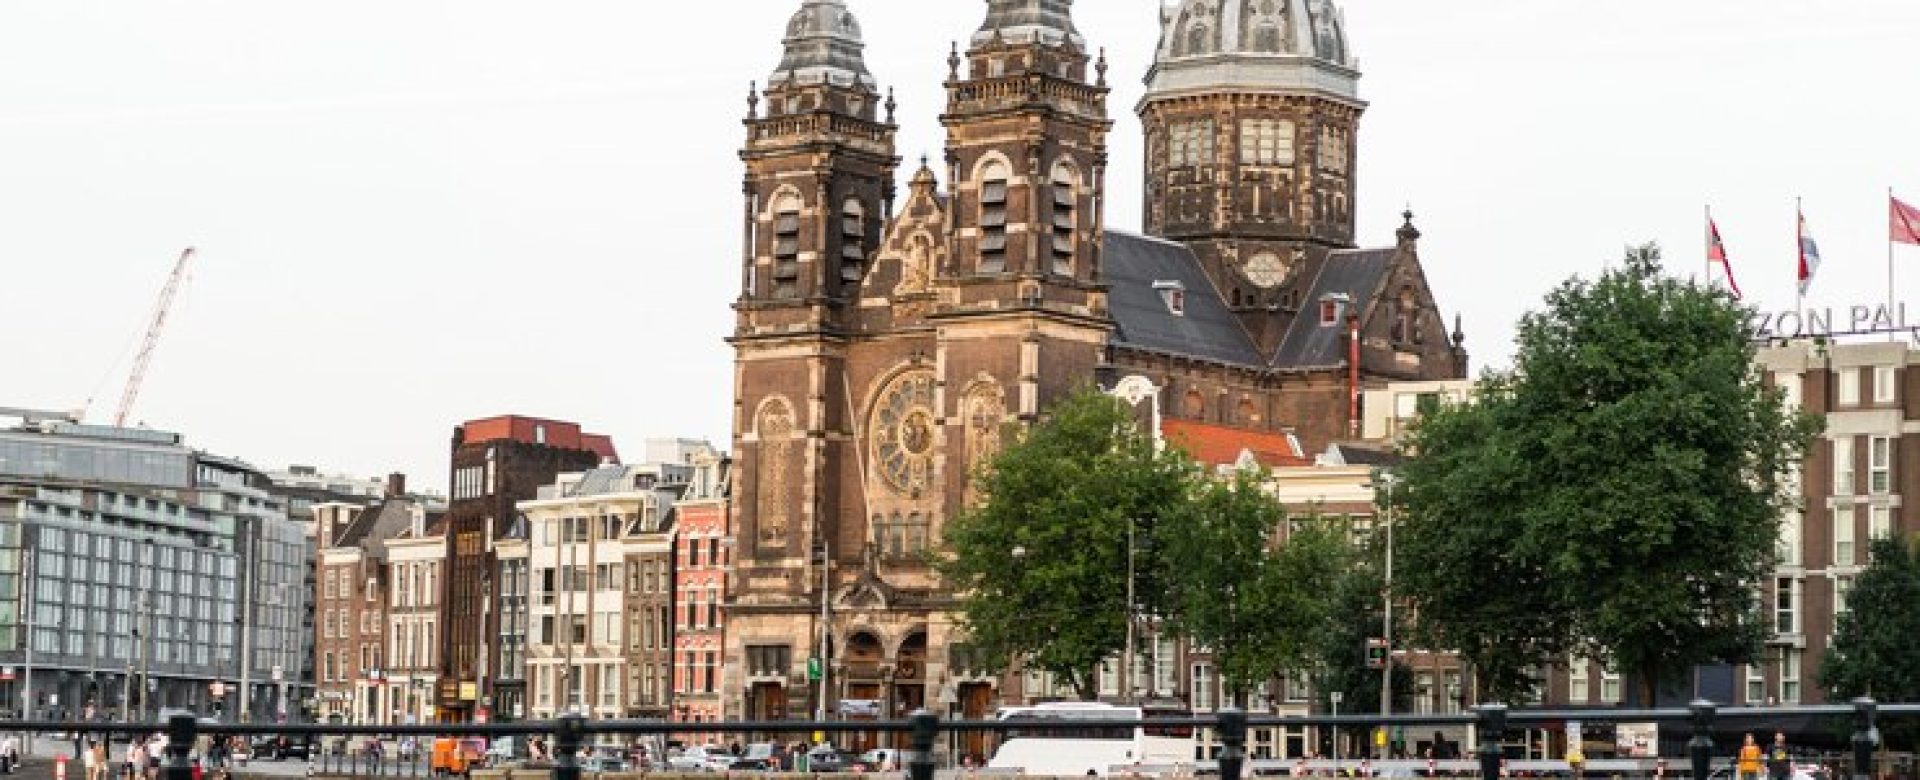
pixel 414 212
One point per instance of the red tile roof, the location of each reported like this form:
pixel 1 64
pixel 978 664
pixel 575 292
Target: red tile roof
pixel 1219 445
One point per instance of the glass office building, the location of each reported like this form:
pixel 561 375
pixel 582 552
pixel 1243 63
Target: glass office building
pixel 129 562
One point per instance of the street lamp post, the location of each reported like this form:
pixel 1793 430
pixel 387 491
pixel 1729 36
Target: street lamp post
pixel 1387 480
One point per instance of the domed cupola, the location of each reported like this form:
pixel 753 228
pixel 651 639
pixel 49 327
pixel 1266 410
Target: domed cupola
pixel 823 45
pixel 1047 22
pixel 1290 46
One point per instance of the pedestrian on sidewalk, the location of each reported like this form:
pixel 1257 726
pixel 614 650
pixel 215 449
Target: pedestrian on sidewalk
pixel 1779 759
pixel 1749 764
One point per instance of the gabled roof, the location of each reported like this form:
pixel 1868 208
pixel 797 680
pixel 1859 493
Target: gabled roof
pixel 1219 445
pixel 1354 273
pixel 380 522
pixel 1134 264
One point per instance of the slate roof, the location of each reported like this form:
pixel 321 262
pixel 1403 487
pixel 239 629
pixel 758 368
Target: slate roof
pixel 378 523
pixel 1133 263
pixel 1361 455
pixel 1356 273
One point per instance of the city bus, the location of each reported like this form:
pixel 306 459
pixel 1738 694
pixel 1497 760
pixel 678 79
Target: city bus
pixel 1077 752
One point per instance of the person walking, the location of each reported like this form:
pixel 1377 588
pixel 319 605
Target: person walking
pixel 1779 759
pixel 90 759
pixel 1749 763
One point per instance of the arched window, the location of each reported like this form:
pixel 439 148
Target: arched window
pixel 1195 405
pixel 786 247
pixel 853 241
pixel 1065 186
pixel 993 217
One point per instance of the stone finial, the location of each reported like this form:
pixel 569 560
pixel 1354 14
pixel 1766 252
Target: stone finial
pixel 1459 332
pixel 891 105
pixel 1408 234
pixel 753 100
pixel 1100 67
pixel 953 63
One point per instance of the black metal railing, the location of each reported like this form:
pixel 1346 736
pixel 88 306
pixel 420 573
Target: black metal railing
pixel 923 729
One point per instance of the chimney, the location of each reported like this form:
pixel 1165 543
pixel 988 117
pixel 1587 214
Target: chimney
pixel 396 485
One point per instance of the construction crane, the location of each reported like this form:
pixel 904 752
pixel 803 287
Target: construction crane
pixel 153 339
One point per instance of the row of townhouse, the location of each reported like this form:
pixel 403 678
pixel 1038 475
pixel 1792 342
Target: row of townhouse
pixel 600 589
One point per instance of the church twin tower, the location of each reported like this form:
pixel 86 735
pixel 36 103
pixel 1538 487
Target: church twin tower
pixel 887 341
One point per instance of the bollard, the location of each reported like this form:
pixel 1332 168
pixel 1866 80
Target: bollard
pixel 1659 769
pixel 1700 749
pixel 566 744
pixel 1866 737
pixel 926 731
pixel 182 731
pixel 1233 743
pixel 1493 728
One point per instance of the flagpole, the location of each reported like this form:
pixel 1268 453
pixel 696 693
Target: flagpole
pixel 1709 246
pixel 1890 297
pixel 1800 257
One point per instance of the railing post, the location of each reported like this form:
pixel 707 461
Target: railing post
pixel 1493 728
pixel 1700 749
pixel 1866 737
pixel 1233 743
pixel 182 732
pixel 566 746
pixel 926 730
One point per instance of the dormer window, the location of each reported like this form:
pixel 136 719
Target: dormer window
pixel 1332 307
pixel 1174 295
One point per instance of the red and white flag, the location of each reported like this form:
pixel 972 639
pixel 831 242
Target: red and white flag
pixel 1809 255
pixel 1905 228
pixel 1717 253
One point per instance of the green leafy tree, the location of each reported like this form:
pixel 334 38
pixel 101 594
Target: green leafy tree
pixel 1354 615
pixel 1614 495
pixel 1041 562
pixel 1873 645
pixel 1230 585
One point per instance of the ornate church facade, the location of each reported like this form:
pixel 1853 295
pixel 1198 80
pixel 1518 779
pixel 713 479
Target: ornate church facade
pixel 887 340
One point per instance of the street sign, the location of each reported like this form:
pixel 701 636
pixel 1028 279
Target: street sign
pixel 279 673
pixel 813 668
pixel 217 688
pixel 1337 697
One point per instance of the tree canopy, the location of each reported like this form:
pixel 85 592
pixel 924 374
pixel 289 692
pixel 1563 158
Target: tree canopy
pixel 1873 644
pixel 1614 495
pixel 1234 586
pixel 1041 562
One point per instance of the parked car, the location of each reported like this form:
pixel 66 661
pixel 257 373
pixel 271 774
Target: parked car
pixel 281 748
pixel 707 758
pixel 759 757
pixel 603 763
pixel 826 760
pixel 880 760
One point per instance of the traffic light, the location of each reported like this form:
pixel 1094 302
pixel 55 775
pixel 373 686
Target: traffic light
pixel 1376 653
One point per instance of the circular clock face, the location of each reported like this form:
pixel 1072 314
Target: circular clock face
pixel 903 433
pixel 1266 270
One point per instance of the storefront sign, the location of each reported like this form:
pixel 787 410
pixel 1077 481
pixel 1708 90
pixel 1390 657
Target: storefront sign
pixel 1637 740
pixel 1856 320
pixel 469 691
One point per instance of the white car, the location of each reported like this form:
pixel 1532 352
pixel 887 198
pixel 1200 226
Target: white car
pixel 709 758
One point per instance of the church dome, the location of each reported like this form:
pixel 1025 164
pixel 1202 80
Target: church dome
pixel 1048 22
pixel 1266 45
pixel 823 44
